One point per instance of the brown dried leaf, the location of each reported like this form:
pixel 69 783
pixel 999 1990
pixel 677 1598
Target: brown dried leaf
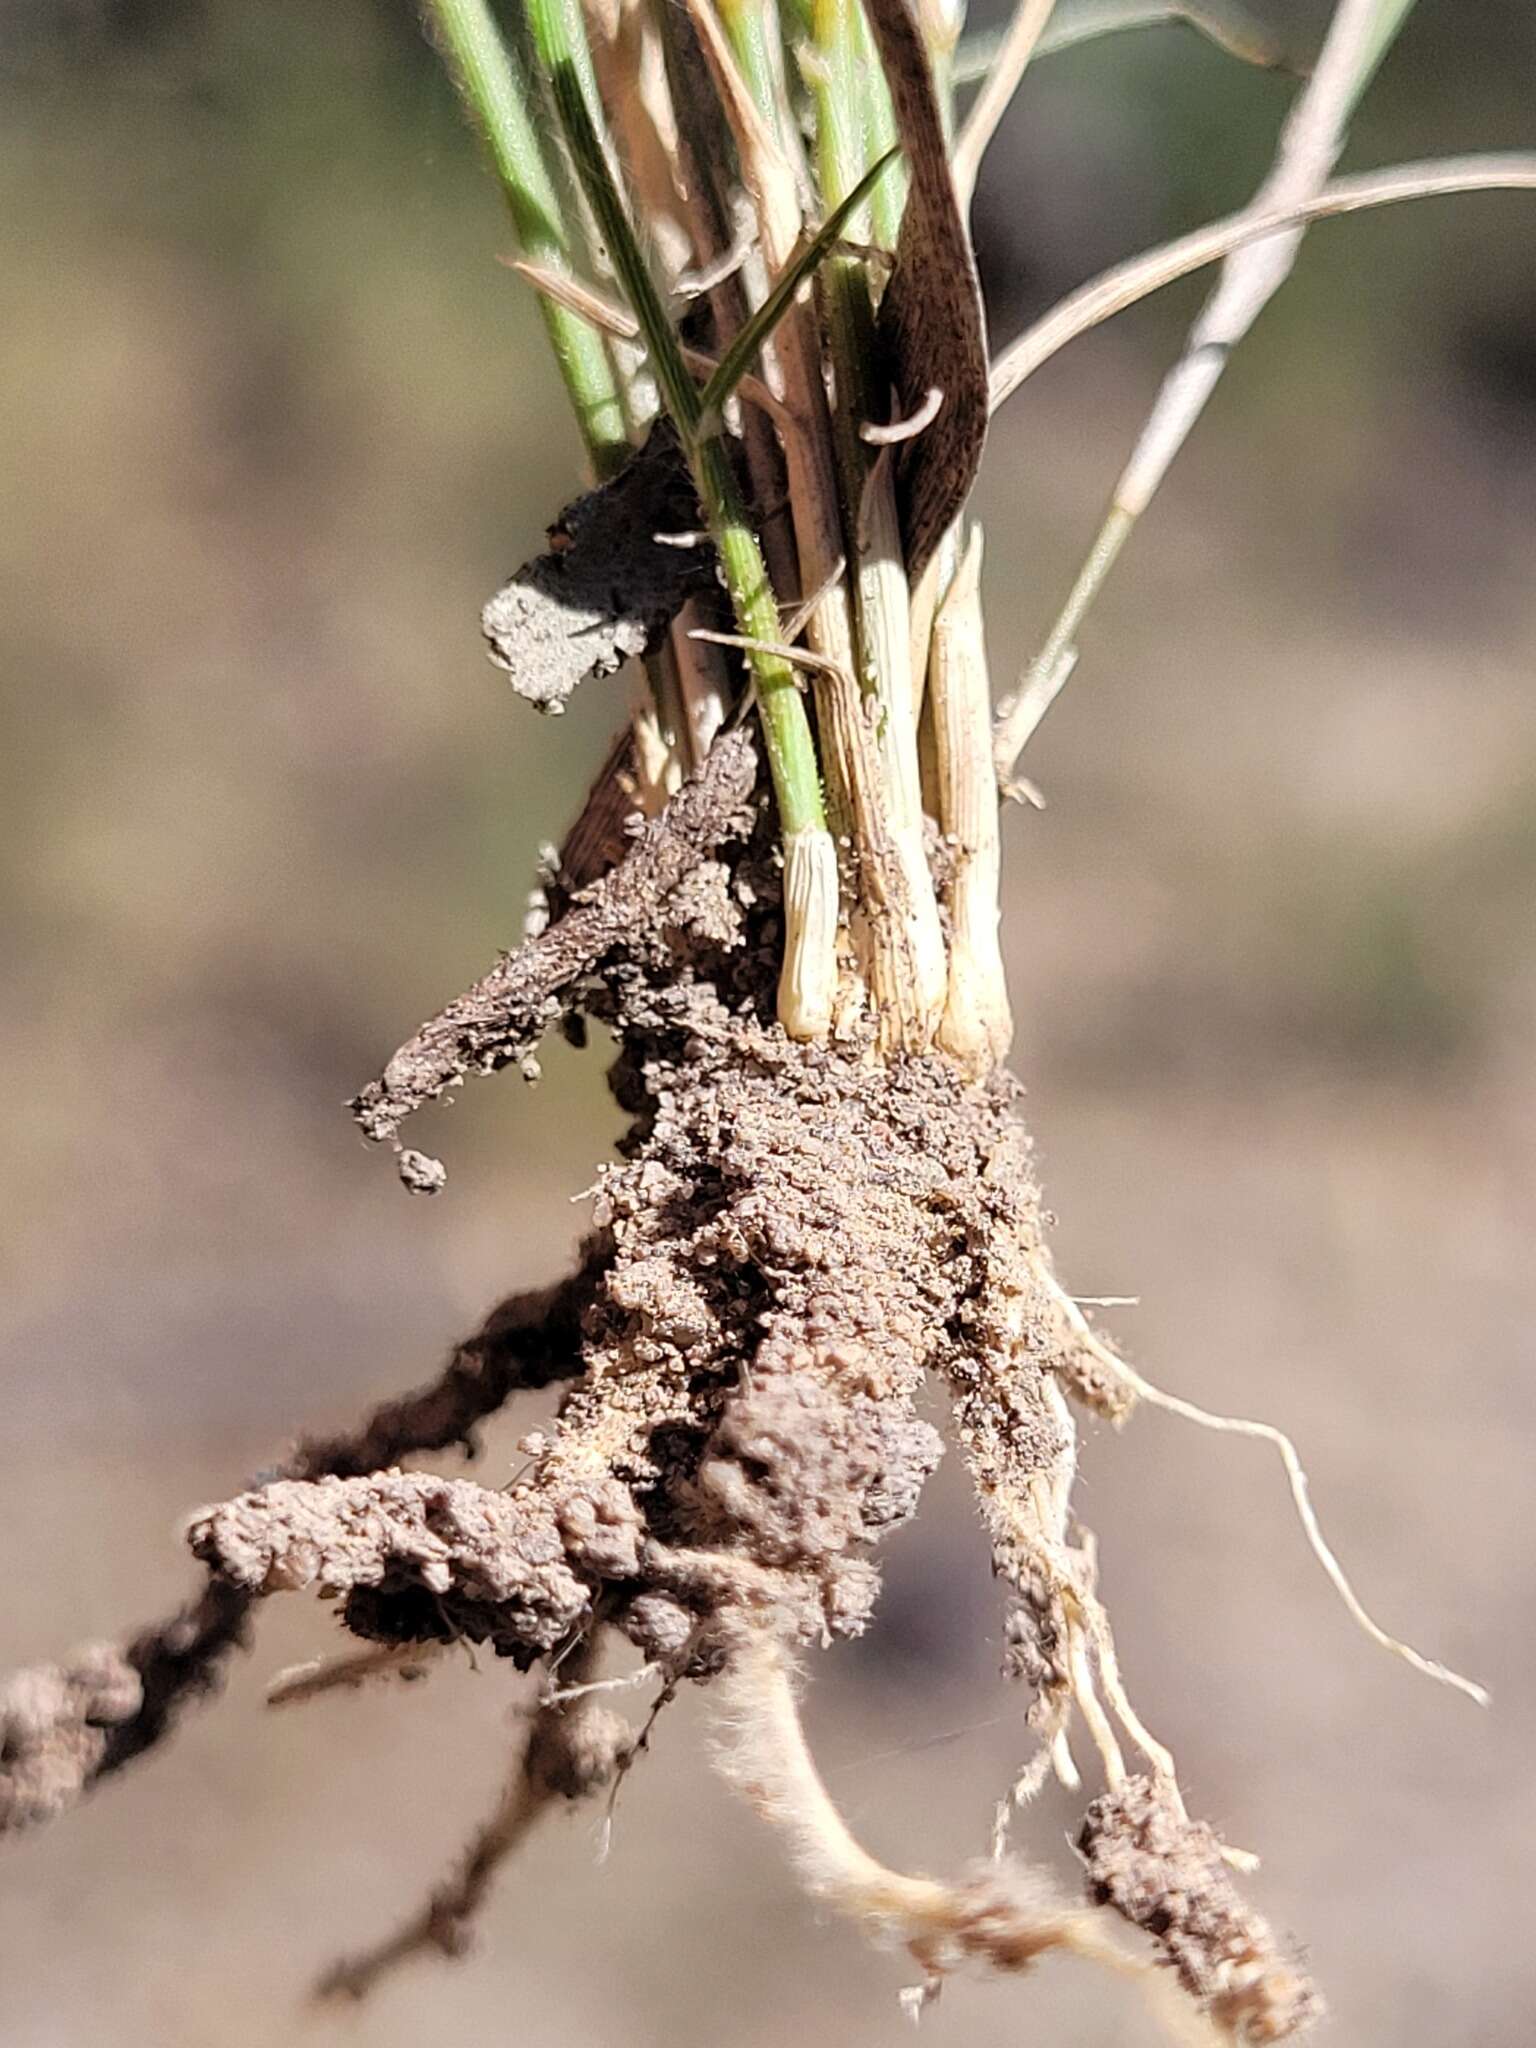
pixel 931 318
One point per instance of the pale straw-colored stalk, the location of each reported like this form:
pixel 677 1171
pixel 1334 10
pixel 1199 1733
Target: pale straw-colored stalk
pixel 898 931
pixel 1311 142
pixel 996 96
pixel 978 1025
pixel 1226 23
pixel 1127 283
pixel 855 755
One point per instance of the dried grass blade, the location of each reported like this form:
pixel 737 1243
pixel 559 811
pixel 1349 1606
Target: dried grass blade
pixel 1310 145
pixel 1223 22
pixel 1019 44
pixel 1126 284
pixel 931 318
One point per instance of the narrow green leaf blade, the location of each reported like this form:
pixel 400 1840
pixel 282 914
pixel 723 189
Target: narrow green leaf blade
pixel 1390 17
pixel 743 351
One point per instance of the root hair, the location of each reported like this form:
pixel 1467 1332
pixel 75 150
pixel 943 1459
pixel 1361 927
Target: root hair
pixel 1295 1472
pixel 1004 1915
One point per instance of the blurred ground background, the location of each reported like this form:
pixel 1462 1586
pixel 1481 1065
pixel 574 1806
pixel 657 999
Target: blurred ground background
pixel 273 424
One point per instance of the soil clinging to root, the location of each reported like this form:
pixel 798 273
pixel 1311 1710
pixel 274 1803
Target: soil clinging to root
pixel 792 1241
pixel 796 1236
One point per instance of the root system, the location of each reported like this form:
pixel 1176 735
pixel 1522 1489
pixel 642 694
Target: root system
pixel 794 1239
pixel 825 1200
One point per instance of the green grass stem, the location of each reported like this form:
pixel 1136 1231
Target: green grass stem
pixel 497 98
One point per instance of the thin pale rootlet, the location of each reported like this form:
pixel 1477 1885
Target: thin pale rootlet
pixel 795 1239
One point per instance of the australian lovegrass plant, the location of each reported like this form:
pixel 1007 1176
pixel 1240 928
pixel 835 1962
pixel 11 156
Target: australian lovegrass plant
pixel 747 224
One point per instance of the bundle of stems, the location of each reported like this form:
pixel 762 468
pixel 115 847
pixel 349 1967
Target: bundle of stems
pixel 737 177
pixel 709 201
pixel 736 171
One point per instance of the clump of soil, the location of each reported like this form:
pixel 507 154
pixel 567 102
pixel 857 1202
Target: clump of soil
pixel 795 1237
pixel 1168 1874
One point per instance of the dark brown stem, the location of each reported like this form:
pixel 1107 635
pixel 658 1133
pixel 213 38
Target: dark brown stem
pixel 570 1754
pixel 64 1726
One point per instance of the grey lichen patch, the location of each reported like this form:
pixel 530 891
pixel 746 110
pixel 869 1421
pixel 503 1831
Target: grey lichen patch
pixel 606 588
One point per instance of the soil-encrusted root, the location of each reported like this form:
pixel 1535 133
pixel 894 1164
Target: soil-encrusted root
pixel 794 1238
pixel 798 1236
pixel 65 1726
pixel 571 1752
pixel 1168 1875
pixel 1002 1915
